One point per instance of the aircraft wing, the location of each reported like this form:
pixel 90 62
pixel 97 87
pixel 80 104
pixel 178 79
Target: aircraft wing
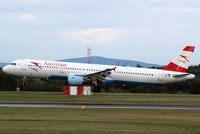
pixel 100 76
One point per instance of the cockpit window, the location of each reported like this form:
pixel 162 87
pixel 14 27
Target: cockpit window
pixel 14 64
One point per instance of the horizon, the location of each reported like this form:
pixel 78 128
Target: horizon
pixel 121 64
pixel 82 57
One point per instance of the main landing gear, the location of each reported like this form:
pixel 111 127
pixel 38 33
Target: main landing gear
pixel 96 86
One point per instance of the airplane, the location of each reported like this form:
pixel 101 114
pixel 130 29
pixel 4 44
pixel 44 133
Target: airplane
pixel 77 74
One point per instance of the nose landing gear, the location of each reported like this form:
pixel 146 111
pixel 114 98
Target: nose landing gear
pixel 20 83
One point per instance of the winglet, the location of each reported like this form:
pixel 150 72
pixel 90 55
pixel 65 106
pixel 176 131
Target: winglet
pixel 182 61
pixel 114 68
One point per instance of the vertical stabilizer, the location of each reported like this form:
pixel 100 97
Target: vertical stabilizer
pixel 182 61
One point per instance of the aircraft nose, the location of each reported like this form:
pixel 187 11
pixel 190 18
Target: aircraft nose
pixel 5 69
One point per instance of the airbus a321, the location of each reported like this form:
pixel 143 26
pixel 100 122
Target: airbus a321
pixel 80 74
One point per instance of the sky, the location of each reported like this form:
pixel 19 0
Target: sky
pixel 152 31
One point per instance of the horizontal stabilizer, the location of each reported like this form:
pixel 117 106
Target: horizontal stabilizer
pixel 180 76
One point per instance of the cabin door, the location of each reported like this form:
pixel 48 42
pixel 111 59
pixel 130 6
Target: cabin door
pixel 161 76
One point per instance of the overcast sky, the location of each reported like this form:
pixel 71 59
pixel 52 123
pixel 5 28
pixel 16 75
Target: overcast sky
pixel 152 31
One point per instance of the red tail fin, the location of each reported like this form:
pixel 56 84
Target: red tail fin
pixel 182 61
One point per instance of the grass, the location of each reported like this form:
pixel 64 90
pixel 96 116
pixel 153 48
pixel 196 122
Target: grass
pixel 181 99
pixel 98 121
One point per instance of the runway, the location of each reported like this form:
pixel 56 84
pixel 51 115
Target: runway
pixel 116 106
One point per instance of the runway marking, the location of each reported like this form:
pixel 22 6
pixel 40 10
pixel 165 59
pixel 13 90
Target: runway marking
pixel 116 106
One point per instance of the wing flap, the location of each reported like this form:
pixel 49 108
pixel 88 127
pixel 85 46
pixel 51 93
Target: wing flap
pixel 99 75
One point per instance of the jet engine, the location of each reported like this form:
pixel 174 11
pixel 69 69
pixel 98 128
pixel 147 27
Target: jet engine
pixel 75 80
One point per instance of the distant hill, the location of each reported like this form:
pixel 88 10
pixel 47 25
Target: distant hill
pixel 110 61
pixel 3 64
pixel 104 61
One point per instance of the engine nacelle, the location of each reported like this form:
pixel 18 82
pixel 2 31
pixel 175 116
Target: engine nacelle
pixel 75 80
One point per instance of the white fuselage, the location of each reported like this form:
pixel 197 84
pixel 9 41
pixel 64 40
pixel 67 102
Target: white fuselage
pixel 61 70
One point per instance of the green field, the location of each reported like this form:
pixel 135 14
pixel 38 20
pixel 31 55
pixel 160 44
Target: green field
pixel 127 98
pixel 98 121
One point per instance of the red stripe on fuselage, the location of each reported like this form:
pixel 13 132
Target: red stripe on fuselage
pixel 189 48
pixel 174 67
pixel 36 64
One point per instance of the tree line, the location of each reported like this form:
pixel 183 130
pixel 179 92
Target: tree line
pixel 10 83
